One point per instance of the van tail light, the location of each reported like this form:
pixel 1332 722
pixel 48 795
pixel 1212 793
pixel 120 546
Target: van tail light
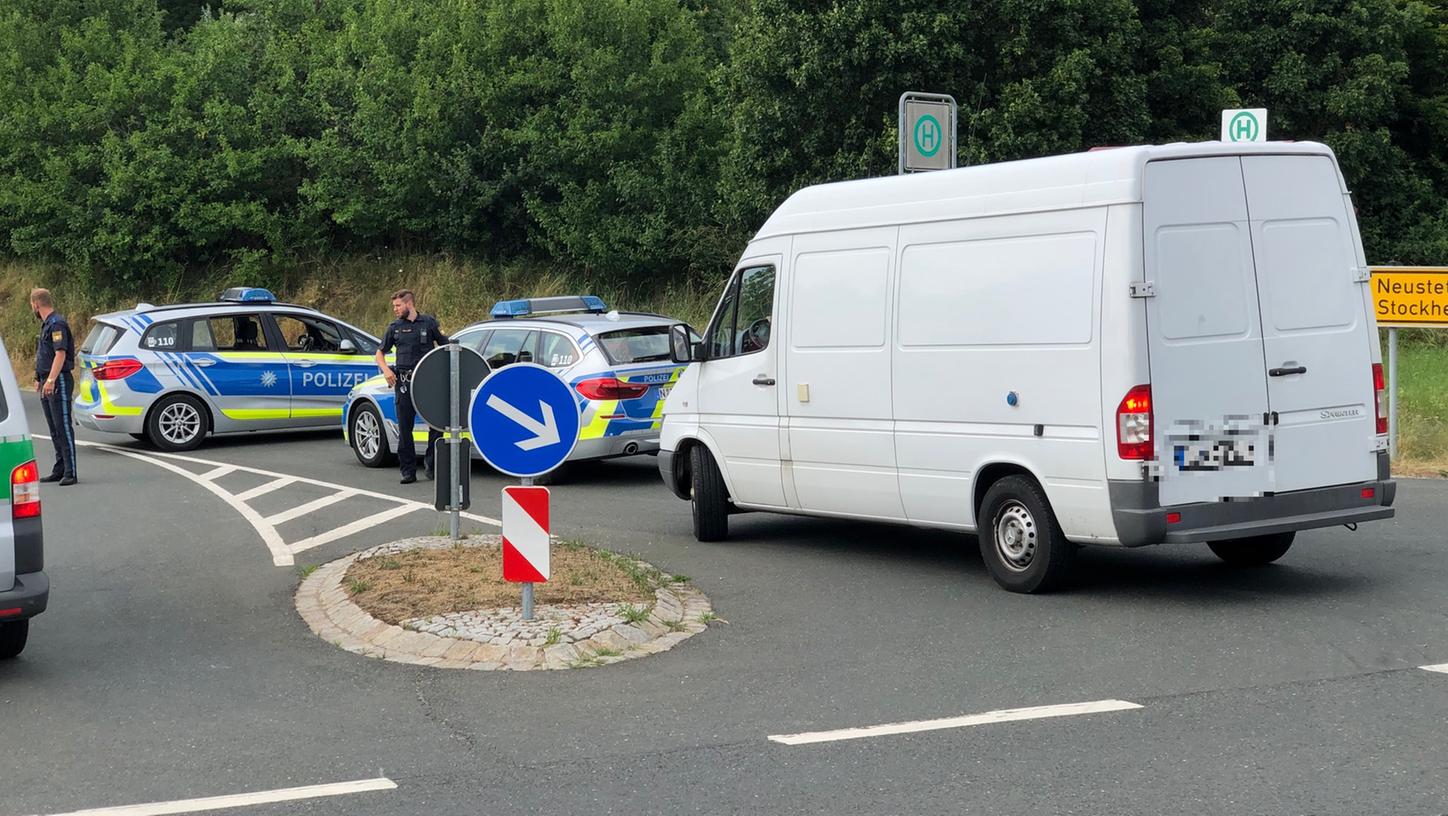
pixel 1133 424
pixel 116 369
pixel 25 491
pixel 611 388
pixel 1380 401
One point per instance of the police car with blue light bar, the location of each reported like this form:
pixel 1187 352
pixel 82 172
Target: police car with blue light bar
pixel 174 374
pixel 617 364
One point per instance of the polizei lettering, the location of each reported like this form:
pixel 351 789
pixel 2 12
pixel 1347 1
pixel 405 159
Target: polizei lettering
pixel 332 379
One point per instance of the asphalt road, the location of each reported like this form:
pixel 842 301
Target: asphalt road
pixel 172 665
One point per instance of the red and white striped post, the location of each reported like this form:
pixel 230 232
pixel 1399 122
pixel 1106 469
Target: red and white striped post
pixel 525 539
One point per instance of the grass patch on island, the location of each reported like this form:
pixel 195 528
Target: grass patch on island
pixel 424 582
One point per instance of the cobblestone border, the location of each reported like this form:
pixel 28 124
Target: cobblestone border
pixel 325 606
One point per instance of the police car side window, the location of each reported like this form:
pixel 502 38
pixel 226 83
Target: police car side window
pixel 472 339
pixel 555 351
pixel 307 333
pixel 201 339
pixel 506 346
pixel 162 337
pixel 241 332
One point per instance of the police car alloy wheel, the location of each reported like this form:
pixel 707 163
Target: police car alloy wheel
pixel 369 441
pixel 177 423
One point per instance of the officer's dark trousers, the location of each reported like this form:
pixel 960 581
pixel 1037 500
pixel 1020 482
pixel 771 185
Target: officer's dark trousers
pixel 57 416
pixel 406 416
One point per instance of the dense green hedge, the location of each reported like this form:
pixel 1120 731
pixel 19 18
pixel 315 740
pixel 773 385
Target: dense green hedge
pixel 142 143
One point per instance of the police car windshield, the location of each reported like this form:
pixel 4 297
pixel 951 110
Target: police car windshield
pixel 642 345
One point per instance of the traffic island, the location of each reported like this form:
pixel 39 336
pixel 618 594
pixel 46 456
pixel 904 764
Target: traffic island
pixel 432 601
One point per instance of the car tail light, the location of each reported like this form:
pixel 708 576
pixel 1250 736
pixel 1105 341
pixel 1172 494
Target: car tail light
pixel 1380 403
pixel 11 612
pixel 116 369
pixel 25 491
pixel 1133 424
pixel 611 388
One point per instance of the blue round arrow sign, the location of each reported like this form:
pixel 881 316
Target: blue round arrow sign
pixel 524 420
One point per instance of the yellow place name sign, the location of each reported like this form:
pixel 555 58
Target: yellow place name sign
pixel 1411 296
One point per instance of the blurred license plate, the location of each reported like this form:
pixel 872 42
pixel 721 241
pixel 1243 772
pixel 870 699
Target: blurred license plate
pixel 664 391
pixel 1215 454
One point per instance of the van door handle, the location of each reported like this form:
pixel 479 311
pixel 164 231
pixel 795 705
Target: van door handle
pixel 1283 372
pixel 763 380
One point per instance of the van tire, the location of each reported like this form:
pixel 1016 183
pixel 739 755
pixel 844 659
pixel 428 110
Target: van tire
pixel 176 411
pixel 1020 539
pixel 710 498
pixel 1254 551
pixel 12 638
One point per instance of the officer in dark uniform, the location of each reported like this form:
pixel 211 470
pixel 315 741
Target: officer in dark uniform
pixel 54 380
pixel 413 335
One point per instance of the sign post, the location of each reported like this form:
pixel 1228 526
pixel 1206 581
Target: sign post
pixel 1244 125
pixel 525 422
pixel 1411 297
pixel 927 125
pixel 441 385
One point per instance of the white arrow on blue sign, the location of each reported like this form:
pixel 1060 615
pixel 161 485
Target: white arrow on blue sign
pixel 524 420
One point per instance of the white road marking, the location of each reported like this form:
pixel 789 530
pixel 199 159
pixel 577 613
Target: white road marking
pixel 1441 668
pixel 1004 715
pixel 236 800
pixel 348 529
pixel 281 553
pixel 315 504
pixel 263 489
pixel 217 473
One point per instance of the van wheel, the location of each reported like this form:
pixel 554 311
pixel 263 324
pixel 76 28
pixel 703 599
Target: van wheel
pixel 1254 551
pixel 1021 542
pixel 177 423
pixel 12 638
pixel 368 437
pixel 710 497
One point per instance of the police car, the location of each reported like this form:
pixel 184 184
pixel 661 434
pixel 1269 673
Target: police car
pixel 173 374
pixel 617 363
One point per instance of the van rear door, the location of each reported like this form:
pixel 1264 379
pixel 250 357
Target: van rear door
pixel 1315 328
pixel 1208 378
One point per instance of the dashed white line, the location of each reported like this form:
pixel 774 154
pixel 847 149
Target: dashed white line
pixel 1004 715
pixel 1441 668
pixel 315 504
pixel 236 800
pixel 348 529
pixel 263 489
pixel 216 473
pixel 281 553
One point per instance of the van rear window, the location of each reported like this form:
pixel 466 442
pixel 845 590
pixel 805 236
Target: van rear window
pixel 642 345
pixel 100 339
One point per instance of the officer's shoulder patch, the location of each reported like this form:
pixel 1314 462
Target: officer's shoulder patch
pixel 57 336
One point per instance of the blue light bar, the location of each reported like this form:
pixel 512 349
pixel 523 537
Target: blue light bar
pixel 247 294
pixel 548 305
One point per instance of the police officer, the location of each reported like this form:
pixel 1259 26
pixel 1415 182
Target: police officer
pixel 54 362
pixel 413 335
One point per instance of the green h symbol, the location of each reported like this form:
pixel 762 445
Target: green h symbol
pixel 1243 127
pixel 927 135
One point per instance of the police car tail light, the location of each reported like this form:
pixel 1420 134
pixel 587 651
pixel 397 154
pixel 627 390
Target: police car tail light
pixel 1380 404
pixel 116 369
pixel 611 388
pixel 25 491
pixel 1133 424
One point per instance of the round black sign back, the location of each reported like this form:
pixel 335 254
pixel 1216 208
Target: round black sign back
pixel 431 383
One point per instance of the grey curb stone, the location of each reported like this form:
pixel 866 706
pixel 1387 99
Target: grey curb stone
pixel 323 603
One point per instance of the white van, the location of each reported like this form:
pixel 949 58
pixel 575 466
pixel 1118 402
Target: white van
pixel 1124 347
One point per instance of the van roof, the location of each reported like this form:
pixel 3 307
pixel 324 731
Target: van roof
pixel 1094 178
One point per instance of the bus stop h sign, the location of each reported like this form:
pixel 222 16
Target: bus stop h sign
pixel 927 132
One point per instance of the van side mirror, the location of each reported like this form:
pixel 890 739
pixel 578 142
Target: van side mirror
pixel 346 346
pixel 681 347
